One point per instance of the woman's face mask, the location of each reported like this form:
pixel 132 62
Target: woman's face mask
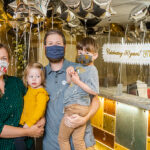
pixel 3 67
pixel 55 52
pixel 84 59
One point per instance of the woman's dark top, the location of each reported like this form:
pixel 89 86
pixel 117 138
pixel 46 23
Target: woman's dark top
pixel 11 106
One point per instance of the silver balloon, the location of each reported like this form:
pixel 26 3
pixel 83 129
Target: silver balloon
pixel 143 27
pixel 38 7
pixel 72 3
pixel 102 3
pixel 139 13
pixel 86 4
pixel 13 5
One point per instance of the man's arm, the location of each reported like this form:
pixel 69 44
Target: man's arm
pixel 76 120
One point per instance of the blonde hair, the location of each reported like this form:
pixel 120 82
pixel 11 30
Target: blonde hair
pixel 88 44
pixel 37 66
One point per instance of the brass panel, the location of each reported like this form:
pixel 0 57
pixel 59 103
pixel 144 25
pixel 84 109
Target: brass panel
pixel 109 123
pixel 149 123
pixel 104 137
pixel 120 147
pixel 100 146
pixel 131 127
pixel 110 107
pixel 148 143
pixel 97 119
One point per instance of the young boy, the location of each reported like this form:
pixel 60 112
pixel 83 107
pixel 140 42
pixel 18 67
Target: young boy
pixel 83 83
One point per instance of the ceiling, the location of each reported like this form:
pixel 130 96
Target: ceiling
pixel 123 9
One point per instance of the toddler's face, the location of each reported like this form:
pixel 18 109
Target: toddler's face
pixel 34 78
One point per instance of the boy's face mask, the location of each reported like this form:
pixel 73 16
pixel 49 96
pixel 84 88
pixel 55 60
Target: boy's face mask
pixel 3 67
pixel 84 59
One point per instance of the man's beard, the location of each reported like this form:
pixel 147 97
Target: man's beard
pixel 53 60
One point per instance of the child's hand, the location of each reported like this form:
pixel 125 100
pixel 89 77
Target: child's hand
pixel 75 78
pixel 25 126
pixel 70 70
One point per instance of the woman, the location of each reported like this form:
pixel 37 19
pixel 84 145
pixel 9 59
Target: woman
pixel 12 91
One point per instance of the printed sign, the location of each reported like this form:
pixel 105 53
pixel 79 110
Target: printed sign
pixel 127 53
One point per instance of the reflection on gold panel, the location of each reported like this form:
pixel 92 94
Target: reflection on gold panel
pixel 100 146
pixel 109 123
pixel 97 119
pixel 148 143
pixel 104 137
pixel 149 123
pixel 110 106
pixel 120 147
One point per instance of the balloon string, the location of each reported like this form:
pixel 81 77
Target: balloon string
pixel 16 46
pixel 25 40
pixel 126 32
pixel 29 42
pixel 85 27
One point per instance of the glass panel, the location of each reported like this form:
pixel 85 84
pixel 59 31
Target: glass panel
pixel 131 127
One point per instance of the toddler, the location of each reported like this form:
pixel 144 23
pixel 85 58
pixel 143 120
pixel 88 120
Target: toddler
pixel 35 99
pixel 83 83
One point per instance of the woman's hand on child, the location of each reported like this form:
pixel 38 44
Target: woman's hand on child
pixel 41 122
pixel 35 131
pixel 74 121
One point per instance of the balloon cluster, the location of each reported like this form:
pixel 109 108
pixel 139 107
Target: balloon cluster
pixel 85 13
pixel 78 16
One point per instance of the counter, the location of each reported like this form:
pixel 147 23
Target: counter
pixel 122 122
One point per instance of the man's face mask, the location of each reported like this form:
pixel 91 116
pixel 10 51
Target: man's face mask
pixel 84 59
pixel 55 53
pixel 3 67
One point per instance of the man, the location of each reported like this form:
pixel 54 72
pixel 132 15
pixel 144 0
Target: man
pixel 56 84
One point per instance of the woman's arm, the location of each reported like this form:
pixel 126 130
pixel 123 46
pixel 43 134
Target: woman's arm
pixel 12 132
pixel 76 120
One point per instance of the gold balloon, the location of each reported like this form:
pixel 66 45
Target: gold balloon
pixel 117 29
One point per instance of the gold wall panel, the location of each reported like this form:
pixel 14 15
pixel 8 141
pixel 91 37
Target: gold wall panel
pixel 104 137
pixel 97 119
pixel 110 107
pixel 149 123
pixel 148 143
pixel 120 147
pixel 109 123
pixel 100 146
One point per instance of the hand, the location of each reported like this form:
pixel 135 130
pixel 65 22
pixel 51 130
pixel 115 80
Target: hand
pixel 25 126
pixel 74 121
pixel 41 122
pixel 75 78
pixel 70 70
pixel 35 131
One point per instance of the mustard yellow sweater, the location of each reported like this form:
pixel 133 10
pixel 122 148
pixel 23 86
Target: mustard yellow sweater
pixel 35 102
